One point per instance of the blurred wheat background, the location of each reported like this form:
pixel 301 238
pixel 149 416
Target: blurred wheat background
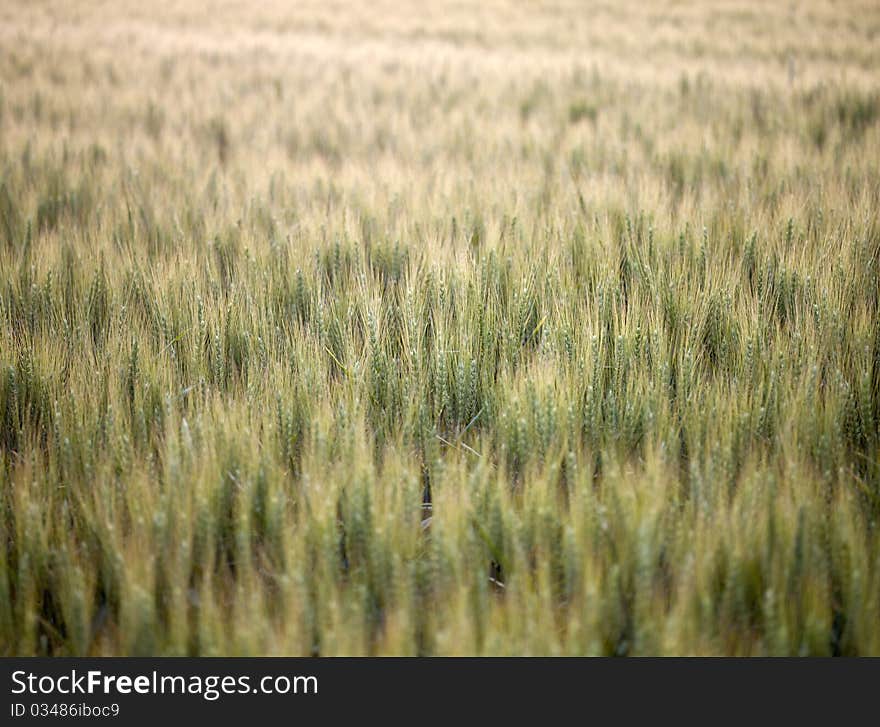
pixel 448 328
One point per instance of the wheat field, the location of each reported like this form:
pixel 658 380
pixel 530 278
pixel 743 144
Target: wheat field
pixel 429 329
